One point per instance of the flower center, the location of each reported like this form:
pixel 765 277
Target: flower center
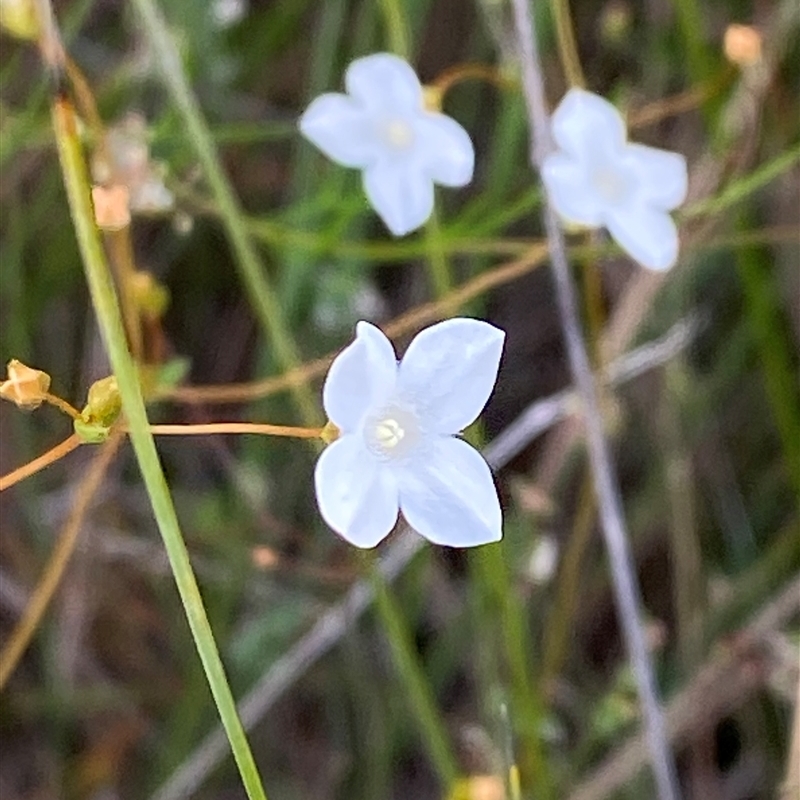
pixel 397 133
pixel 610 183
pixel 389 434
pixel 392 432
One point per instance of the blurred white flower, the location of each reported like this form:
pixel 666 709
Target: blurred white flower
pixel 383 128
pixel 125 160
pixel 397 448
pixel 543 560
pixel 597 178
pixel 226 13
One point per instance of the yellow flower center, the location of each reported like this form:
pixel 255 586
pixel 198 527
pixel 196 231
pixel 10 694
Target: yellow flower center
pixel 389 433
pixel 397 133
pixel 610 184
pixel 392 433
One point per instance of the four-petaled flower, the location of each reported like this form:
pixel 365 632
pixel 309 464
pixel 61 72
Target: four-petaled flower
pixel 382 127
pixel 597 178
pixel 398 449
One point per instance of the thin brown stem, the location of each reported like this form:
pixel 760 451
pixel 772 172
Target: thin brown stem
pixel 406 323
pixel 61 405
pixel 533 258
pixel 260 429
pixel 567 45
pixel 51 577
pixel 38 464
pixel 676 104
pixel 86 102
pixel 469 72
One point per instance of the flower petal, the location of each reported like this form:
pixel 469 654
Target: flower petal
pixel 662 175
pixel 570 192
pixel 384 82
pixel 362 376
pixel 445 149
pixel 401 194
pixel 449 371
pixel 357 496
pixel 585 123
pixel 340 128
pixel 649 236
pixel 449 496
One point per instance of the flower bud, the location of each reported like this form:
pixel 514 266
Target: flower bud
pixel 26 387
pixel 19 18
pixel 103 403
pixel 103 407
pixel 111 207
pixel 742 45
pixel 151 297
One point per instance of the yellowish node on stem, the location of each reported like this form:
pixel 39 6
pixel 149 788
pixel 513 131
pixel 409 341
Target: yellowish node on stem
pixel 330 433
pixel 26 387
pixel 432 98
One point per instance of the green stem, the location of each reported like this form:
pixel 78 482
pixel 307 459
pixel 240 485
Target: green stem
pixel 560 623
pixel 407 663
pixel 106 305
pixel 567 45
pixel 260 291
pixel 503 627
pixel 692 26
pixel 501 606
pixel 438 266
pixel 743 187
pixel 396 27
pixel 766 319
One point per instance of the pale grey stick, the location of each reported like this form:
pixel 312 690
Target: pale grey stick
pixel 609 502
pixel 725 683
pixel 545 413
pixel 333 624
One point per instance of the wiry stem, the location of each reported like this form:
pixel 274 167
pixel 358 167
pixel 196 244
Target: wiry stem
pixel 259 429
pixel 44 460
pixel 62 405
pixel 58 561
pixel 608 496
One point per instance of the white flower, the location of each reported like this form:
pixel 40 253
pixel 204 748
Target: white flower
pixel 226 13
pixel 382 127
pixel 597 178
pixel 397 449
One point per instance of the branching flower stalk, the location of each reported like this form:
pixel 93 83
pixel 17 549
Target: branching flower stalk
pixel 606 486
